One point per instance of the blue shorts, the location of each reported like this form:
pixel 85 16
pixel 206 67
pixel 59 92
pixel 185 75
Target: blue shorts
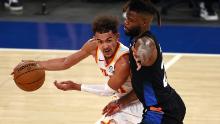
pixel 152 117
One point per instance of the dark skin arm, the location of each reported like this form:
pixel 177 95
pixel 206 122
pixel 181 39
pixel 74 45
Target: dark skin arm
pixel 144 52
pixel 115 106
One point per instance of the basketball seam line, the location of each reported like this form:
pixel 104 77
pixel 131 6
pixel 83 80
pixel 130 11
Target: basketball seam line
pixel 25 73
pixel 33 81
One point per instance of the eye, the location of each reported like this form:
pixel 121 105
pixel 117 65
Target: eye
pixel 100 41
pixel 130 20
pixel 109 40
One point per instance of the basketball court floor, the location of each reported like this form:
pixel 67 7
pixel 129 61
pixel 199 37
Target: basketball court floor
pixel 195 77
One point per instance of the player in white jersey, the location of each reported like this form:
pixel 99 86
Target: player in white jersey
pixel 128 115
pixel 113 60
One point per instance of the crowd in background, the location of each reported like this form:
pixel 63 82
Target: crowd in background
pixel 204 9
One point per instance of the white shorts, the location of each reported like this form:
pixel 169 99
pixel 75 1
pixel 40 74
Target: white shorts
pixel 131 114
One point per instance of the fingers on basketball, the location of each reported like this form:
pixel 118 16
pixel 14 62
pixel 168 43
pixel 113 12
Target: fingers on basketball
pixel 29 76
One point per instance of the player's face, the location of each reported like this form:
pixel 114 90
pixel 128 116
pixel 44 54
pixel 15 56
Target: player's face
pixel 107 43
pixel 132 23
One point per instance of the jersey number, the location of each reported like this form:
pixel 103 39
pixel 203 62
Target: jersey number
pixel 164 77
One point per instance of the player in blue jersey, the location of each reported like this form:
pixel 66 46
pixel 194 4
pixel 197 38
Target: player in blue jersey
pixel 162 104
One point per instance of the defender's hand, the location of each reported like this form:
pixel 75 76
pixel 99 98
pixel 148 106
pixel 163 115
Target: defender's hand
pixel 112 108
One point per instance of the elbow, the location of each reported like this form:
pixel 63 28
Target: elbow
pixel 65 65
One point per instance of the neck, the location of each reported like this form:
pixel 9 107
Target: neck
pixel 108 59
pixel 145 29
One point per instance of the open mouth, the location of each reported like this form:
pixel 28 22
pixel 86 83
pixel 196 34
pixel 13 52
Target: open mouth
pixel 107 51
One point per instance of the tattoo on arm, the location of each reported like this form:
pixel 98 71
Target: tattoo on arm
pixel 144 50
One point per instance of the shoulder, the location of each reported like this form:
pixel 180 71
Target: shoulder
pixel 123 61
pixel 146 41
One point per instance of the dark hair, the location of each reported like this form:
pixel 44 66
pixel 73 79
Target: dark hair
pixel 143 7
pixel 104 24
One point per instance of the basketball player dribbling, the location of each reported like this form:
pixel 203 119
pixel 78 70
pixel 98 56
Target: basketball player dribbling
pixel 113 60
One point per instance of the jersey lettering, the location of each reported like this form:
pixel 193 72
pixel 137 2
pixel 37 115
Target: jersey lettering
pixel 104 72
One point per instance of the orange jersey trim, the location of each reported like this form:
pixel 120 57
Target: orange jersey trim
pixel 96 55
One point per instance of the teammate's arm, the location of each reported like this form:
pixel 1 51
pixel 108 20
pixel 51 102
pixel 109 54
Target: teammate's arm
pixel 144 51
pixel 69 61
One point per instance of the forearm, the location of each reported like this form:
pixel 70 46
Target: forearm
pixel 52 64
pixel 98 89
pixel 127 99
pixel 63 63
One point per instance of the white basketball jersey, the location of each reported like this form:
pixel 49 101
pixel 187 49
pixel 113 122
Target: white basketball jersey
pixel 108 69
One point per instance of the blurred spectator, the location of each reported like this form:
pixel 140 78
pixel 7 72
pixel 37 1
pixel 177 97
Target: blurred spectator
pixel 207 11
pixel 167 4
pixel 13 5
pixel 201 8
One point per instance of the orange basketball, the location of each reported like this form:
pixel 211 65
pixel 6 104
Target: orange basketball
pixel 28 76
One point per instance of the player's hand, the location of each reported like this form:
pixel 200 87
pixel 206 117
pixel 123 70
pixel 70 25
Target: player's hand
pixel 34 61
pixel 136 58
pixel 12 73
pixel 67 85
pixel 112 108
pixel 90 45
pixel 23 61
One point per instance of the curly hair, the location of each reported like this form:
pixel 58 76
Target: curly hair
pixel 144 7
pixel 104 24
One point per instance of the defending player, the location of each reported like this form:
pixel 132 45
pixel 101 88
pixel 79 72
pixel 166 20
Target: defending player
pixel 162 104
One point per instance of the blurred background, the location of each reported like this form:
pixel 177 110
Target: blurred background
pixel 188 26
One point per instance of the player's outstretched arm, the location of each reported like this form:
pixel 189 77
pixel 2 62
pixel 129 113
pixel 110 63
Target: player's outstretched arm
pixel 67 62
pixel 120 76
pixel 98 89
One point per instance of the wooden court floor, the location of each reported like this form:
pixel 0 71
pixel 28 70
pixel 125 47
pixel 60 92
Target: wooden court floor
pixel 195 77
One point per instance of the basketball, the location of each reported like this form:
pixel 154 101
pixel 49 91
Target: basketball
pixel 28 76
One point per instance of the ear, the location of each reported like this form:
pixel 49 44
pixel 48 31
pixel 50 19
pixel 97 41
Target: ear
pixel 150 18
pixel 145 22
